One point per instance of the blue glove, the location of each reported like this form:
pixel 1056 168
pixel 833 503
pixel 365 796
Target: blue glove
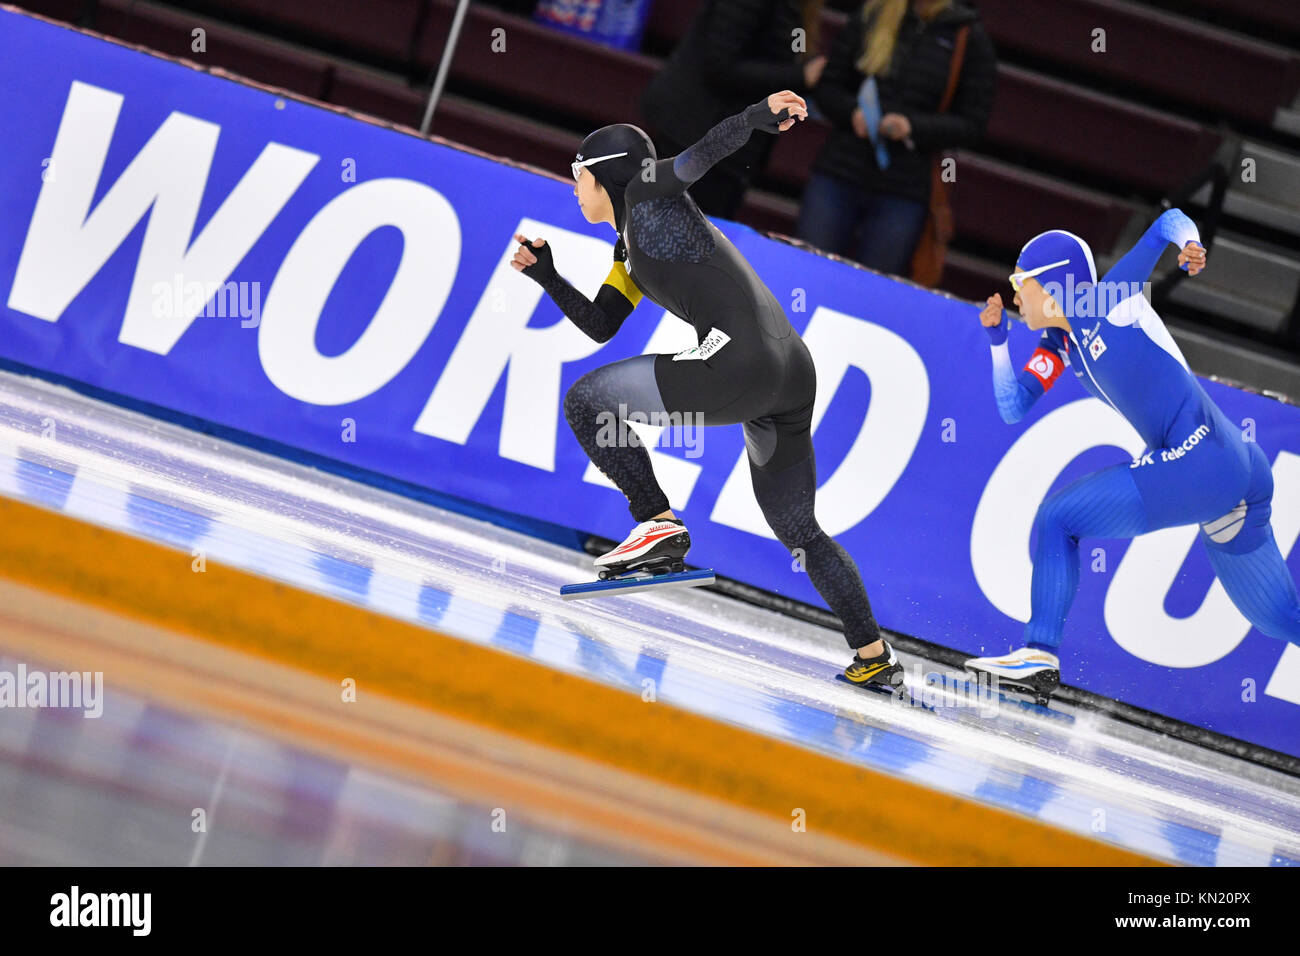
pixel 998 333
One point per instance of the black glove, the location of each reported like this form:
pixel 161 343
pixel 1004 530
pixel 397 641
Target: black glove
pixel 543 270
pixel 760 116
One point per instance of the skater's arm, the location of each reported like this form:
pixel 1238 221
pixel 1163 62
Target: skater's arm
pixel 1016 394
pixel 672 176
pixel 600 319
pixel 1172 226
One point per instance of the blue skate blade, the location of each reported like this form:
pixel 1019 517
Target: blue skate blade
pixel 627 585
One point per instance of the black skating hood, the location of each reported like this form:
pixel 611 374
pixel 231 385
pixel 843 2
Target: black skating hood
pixel 614 174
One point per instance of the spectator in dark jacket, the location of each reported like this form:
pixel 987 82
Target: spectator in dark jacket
pixel 907 46
pixel 734 53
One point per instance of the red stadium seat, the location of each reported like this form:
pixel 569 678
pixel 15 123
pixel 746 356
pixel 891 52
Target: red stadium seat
pixel 489 130
pixel 546 68
pixel 1002 206
pixel 1159 152
pixel 170 32
pixel 764 211
pixel 1151 50
pixel 1278 14
pixel 385 97
pixel 384 28
pixel 68 11
pixel 974 278
pixel 792 156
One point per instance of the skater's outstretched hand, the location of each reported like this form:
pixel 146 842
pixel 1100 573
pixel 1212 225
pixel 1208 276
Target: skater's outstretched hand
pixel 783 110
pixel 994 320
pixel 532 258
pixel 1192 258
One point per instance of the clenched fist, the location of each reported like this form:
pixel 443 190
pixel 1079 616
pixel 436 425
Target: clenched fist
pixel 1192 257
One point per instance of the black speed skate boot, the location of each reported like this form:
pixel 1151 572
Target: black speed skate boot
pixel 883 672
pixel 656 546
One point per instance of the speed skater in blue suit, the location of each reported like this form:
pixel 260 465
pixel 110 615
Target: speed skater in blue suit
pixel 1197 467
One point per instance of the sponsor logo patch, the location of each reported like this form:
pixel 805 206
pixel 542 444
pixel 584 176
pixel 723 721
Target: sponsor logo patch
pixel 710 345
pixel 1046 366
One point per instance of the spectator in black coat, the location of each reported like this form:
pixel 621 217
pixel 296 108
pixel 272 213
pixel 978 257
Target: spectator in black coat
pixel 907 45
pixel 734 53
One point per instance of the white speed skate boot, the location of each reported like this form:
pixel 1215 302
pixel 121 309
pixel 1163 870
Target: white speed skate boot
pixel 656 546
pixel 1026 667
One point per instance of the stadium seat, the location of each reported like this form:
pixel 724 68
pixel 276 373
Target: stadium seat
pixel 972 277
pixel 1277 14
pixel 1247 284
pixel 1002 205
pixel 1160 152
pixel 548 69
pixel 68 11
pixel 1272 197
pixel 1151 50
pixel 385 97
pixel 792 156
pixel 768 212
pixel 471 124
pixel 381 28
pixel 170 32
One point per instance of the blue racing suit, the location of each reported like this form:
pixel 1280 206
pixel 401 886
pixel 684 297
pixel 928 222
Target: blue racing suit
pixel 1196 469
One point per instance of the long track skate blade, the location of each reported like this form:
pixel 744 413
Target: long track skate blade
pixel 1013 693
pixel 634 582
pixel 899 695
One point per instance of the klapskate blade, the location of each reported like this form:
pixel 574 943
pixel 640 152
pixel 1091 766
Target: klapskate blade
pixel 632 584
pixel 1013 693
pixel 899 695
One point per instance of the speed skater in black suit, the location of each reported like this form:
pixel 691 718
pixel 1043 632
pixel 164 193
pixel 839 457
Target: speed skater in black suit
pixel 749 368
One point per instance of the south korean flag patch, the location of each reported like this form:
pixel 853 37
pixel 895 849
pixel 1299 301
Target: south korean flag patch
pixel 1096 347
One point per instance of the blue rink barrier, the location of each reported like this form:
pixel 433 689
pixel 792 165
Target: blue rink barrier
pixel 342 290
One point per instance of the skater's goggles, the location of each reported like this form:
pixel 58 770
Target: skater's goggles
pixel 1018 278
pixel 579 163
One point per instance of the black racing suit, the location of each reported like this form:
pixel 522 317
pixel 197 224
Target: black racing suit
pixel 750 368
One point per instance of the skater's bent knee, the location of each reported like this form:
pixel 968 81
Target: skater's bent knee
pixel 577 402
pixel 1054 514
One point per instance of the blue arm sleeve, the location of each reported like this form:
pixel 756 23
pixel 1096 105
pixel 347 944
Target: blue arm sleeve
pixel 1015 395
pixel 1172 226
